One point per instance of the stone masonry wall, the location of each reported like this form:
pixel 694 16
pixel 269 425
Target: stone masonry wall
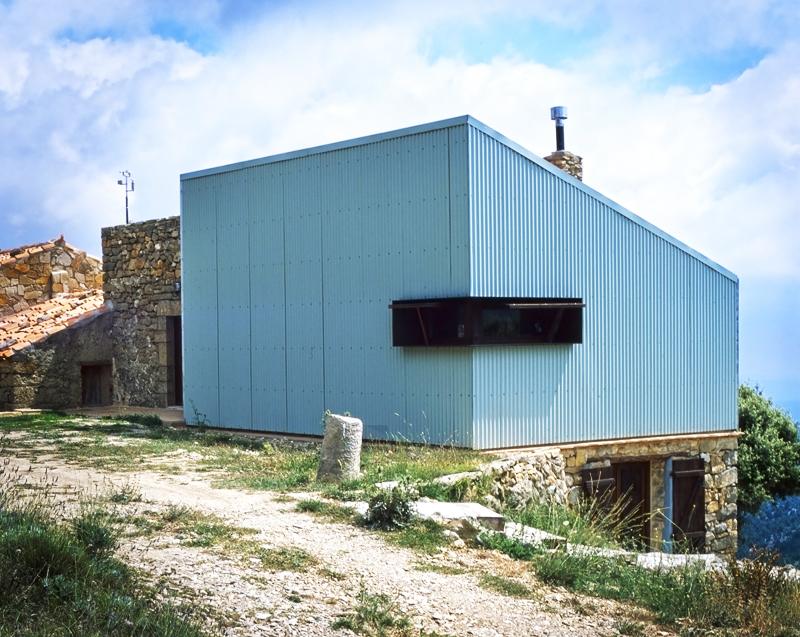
pixel 568 162
pixel 48 376
pixel 142 273
pixel 32 274
pixel 719 454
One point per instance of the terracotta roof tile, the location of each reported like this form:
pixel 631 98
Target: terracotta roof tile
pixel 27 327
pixel 9 256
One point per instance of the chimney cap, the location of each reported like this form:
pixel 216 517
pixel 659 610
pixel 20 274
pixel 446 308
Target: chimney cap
pixel 558 113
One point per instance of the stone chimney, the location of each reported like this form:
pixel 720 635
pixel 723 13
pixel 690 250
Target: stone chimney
pixel 563 159
pixel 568 162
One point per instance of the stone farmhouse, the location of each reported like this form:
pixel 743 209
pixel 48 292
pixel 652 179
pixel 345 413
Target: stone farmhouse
pixel 77 332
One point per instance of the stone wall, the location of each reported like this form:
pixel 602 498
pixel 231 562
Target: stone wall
pixel 531 478
pixel 32 274
pixel 719 455
pixel 142 273
pixel 48 375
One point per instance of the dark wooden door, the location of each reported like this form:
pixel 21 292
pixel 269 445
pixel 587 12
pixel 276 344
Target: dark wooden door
pixel 632 491
pixel 96 385
pixel 623 487
pixel 174 361
pixel 688 504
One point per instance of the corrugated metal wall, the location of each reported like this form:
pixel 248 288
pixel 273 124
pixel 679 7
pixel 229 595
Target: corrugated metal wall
pixel 289 265
pixel 289 268
pixel 660 328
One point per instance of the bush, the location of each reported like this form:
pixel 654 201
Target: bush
pixel 392 508
pixel 776 527
pixel 97 531
pixel 769 451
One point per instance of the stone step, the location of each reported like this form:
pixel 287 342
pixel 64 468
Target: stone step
pixel 448 512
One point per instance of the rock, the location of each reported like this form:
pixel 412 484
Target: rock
pixel 340 455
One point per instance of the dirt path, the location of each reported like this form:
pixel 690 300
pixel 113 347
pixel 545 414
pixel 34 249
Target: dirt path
pixel 255 602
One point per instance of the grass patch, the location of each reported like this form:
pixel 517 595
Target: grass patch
pixel 197 529
pixel 378 616
pixel 747 599
pixel 330 574
pixel 59 579
pixel 326 510
pixel 284 559
pixel 442 569
pixel 630 628
pixel 505 586
pixel 587 523
pixel 508 545
pixel 129 443
pixel 126 494
pixel 424 536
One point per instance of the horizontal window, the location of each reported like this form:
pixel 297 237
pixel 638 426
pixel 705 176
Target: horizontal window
pixel 486 321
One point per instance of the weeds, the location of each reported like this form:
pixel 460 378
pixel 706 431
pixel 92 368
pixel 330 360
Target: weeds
pixel 60 579
pixel 505 586
pixel 390 509
pixel 327 510
pixel 97 530
pixel 589 522
pixel 423 536
pixel 378 616
pixel 126 494
pixel 630 628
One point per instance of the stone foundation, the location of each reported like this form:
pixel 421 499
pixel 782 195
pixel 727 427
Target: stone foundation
pixel 719 454
pixel 142 273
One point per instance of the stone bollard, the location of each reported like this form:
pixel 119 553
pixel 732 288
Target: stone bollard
pixel 340 457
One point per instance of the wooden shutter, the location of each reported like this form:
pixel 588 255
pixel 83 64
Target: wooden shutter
pixel 688 503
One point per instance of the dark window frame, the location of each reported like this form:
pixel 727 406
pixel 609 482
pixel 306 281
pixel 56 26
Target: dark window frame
pixel 479 321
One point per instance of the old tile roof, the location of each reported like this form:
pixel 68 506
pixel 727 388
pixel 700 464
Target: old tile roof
pixel 10 255
pixel 22 329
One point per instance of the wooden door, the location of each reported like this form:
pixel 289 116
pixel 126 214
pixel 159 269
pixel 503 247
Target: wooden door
pixel 625 488
pixel 688 504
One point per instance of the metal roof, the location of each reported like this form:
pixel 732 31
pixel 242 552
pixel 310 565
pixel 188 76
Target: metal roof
pixel 471 121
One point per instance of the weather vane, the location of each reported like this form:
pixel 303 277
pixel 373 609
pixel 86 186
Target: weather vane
pixel 127 176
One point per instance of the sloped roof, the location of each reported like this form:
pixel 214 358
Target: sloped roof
pixel 27 327
pixel 469 121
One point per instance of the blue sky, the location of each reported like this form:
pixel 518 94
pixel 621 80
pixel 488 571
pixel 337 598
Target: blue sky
pixel 685 113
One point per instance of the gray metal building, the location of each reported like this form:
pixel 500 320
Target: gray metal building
pixel 526 308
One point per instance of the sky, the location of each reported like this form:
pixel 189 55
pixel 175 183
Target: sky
pixel 686 113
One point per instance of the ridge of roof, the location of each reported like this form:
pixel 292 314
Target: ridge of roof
pixel 23 329
pixel 12 255
pixel 469 120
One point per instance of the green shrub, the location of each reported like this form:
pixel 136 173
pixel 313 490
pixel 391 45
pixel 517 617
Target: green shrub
pixel 769 450
pixel 391 508
pixel 97 531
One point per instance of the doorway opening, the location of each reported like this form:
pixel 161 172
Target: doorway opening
pixel 96 388
pixel 174 362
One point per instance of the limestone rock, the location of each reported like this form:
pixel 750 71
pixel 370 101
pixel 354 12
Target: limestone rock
pixel 340 455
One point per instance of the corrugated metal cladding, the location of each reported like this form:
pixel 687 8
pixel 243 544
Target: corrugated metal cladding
pixel 289 268
pixel 290 263
pixel 659 353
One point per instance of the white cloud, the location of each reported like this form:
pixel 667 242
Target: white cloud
pixel 717 168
